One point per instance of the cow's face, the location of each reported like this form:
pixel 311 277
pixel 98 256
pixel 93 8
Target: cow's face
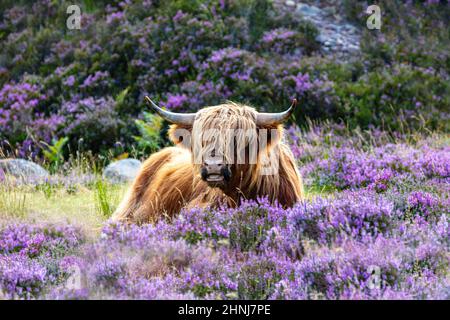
pixel 226 141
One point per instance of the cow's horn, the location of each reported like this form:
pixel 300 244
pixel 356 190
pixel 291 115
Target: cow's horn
pixel 275 118
pixel 172 117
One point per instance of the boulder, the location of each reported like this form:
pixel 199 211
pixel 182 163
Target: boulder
pixel 122 171
pixel 23 169
pixel 308 10
pixel 290 3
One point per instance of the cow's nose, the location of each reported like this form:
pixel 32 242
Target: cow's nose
pixel 213 165
pixel 215 172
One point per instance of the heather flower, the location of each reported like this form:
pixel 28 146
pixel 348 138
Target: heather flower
pixel 178 16
pixel 198 224
pixel 176 101
pixel 36 240
pixel 114 17
pixel 371 270
pixel 98 78
pixel 21 277
pixel 19 110
pixel 107 272
pixel 302 83
pixel 70 81
pixel 282 41
pixel 347 167
pixel 165 288
pixel 422 203
pixel 226 54
pixel 328 220
pixel 443 229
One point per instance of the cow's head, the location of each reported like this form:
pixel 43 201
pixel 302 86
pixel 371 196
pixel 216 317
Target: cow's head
pixel 227 141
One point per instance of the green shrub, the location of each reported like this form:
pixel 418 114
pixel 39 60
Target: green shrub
pixel 400 96
pixel 149 139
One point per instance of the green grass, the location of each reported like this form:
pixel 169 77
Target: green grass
pixel 88 207
pixel 106 199
pixel 12 203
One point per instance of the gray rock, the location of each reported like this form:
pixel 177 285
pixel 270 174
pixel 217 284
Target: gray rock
pixel 333 27
pixel 349 27
pixel 321 38
pixel 122 171
pixel 352 47
pixel 330 10
pixel 335 34
pixel 308 10
pixel 23 169
pixel 290 3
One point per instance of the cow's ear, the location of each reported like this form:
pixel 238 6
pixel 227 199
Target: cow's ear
pixel 273 134
pixel 180 135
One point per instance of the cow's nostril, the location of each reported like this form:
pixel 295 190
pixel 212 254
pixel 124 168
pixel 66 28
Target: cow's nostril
pixel 204 173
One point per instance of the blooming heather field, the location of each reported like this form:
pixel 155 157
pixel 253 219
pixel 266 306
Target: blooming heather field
pixel 375 225
pixel 370 137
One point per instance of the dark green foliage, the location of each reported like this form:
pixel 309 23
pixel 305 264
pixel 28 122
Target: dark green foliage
pixel 172 50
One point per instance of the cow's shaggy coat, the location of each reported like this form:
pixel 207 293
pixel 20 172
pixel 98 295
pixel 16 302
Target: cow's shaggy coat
pixel 169 180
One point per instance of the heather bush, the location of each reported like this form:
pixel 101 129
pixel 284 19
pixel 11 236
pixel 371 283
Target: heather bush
pixel 190 54
pixel 281 41
pixel 93 120
pixel 372 159
pixel 30 255
pixel 329 220
pixel 361 271
pixel 21 277
pixel 36 240
pixel 356 246
pixel 25 122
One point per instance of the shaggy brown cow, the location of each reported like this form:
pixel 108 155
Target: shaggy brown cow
pixel 223 154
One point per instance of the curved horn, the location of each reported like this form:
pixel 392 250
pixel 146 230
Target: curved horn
pixel 275 118
pixel 172 117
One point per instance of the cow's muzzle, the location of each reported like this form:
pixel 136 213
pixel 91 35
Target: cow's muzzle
pixel 215 172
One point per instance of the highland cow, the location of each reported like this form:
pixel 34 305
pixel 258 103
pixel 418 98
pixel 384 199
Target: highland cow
pixel 222 155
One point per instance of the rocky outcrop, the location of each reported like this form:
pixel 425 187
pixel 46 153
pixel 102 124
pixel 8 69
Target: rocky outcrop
pixel 336 35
